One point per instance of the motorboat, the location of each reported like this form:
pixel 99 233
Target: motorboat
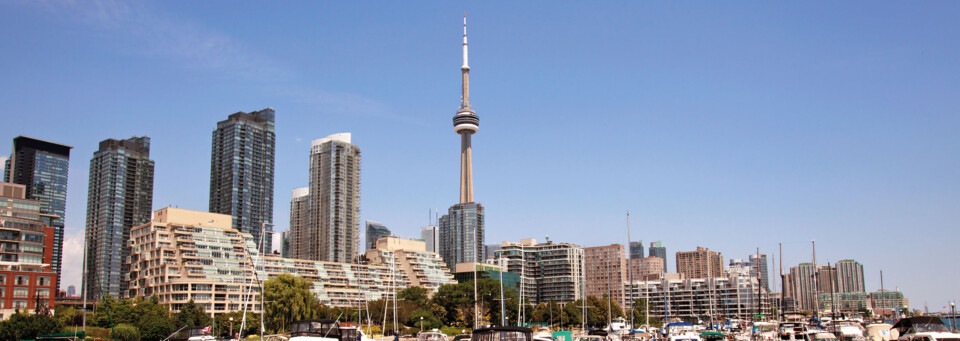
pixel 820 336
pixel 462 337
pixel 502 334
pixel 924 328
pixel 618 328
pixel 681 331
pixel 713 336
pixel 315 330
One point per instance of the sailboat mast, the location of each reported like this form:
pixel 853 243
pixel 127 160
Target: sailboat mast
pixel 630 270
pixel 816 282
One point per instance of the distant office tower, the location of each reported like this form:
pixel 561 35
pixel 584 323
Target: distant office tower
pixel 285 244
pixel 748 267
pixel 25 264
pixel 431 237
pixel 303 240
pixel 375 231
pixel 41 166
pixel 605 272
pixel 802 286
pixel 636 250
pixel 702 263
pixel 658 250
pixel 489 251
pixel 549 271
pixel 241 172
pixel 327 223
pixel 850 276
pixel 461 229
pixel 71 291
pixel 119 197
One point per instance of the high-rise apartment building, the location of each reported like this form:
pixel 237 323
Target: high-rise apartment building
pixel 375 231
pixel 327 223
pixel 850 276
pixel 119 197
pixel 461 229
pixel 431 238
pixel 605 272
pixel 722 297
pixel 658 250
pixel 549 271
pixel 702 263
pixel 803 286
pixel 636 250
pixel 26 253
pixel 300 244
pixel 42 167
pixel 241 172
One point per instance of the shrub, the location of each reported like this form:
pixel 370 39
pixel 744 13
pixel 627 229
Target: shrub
pixel 125 332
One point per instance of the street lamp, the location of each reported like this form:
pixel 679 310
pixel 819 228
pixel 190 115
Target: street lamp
pixel 421 324
pixel 231 328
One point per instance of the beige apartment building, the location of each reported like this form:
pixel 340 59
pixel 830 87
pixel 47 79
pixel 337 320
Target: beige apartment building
pixel 421 268
pixel 604 270
pixel 702 263
pixel 644 269
pixel 184 255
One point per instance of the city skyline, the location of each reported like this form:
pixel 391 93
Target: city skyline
pixel 728 127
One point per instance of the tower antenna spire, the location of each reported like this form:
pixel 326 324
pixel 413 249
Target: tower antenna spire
pixel 465 123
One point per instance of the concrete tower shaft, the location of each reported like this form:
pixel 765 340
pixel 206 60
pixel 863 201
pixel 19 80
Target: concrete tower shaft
pixel 466 123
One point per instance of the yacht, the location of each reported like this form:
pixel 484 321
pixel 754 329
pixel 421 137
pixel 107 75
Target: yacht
pixel 315 330
pixel 847 330
pixel 681 331
pixel 502 334
pixel 924 328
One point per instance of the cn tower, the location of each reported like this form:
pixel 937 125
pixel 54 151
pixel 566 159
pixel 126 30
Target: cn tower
pixel 461 229
pixel 466 123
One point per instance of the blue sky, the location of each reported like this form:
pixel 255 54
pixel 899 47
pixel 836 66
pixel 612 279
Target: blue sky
pixel 726 125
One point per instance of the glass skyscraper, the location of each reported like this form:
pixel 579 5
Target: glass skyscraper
pixel 636 250
pixel 461 234
pixel 42 167
pixel 119 197
pixel 658 250
pixel 241 172
pixel 375 231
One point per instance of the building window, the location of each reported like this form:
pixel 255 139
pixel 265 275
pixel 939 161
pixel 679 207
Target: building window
pixel 20 292
pixel 3 279
pixel 43 281
pixel 19 304
pixel 43 293
pixel 22 280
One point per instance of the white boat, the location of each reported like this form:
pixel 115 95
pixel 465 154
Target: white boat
pixel 879 332
pixel 923 328
pixel 762 330
pixel 682 331
pixel 431 336
pixel 848 330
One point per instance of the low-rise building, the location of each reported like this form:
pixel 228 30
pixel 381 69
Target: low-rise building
pixel 184 255
pixel 420 267
pixel 26 253
pixel 720 297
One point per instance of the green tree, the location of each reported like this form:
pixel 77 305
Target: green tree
pixel 125 332
pixel 573 313
pixel 153 320
pixel 288 299
pixel 429 320
pixel 22 326
pixel 417 295
pixel 111 312
pixel 191 315
pixel 599 308
pixel 456 301
pixel 223 323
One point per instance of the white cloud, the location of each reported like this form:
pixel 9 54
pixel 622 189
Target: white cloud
pixel 72 266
